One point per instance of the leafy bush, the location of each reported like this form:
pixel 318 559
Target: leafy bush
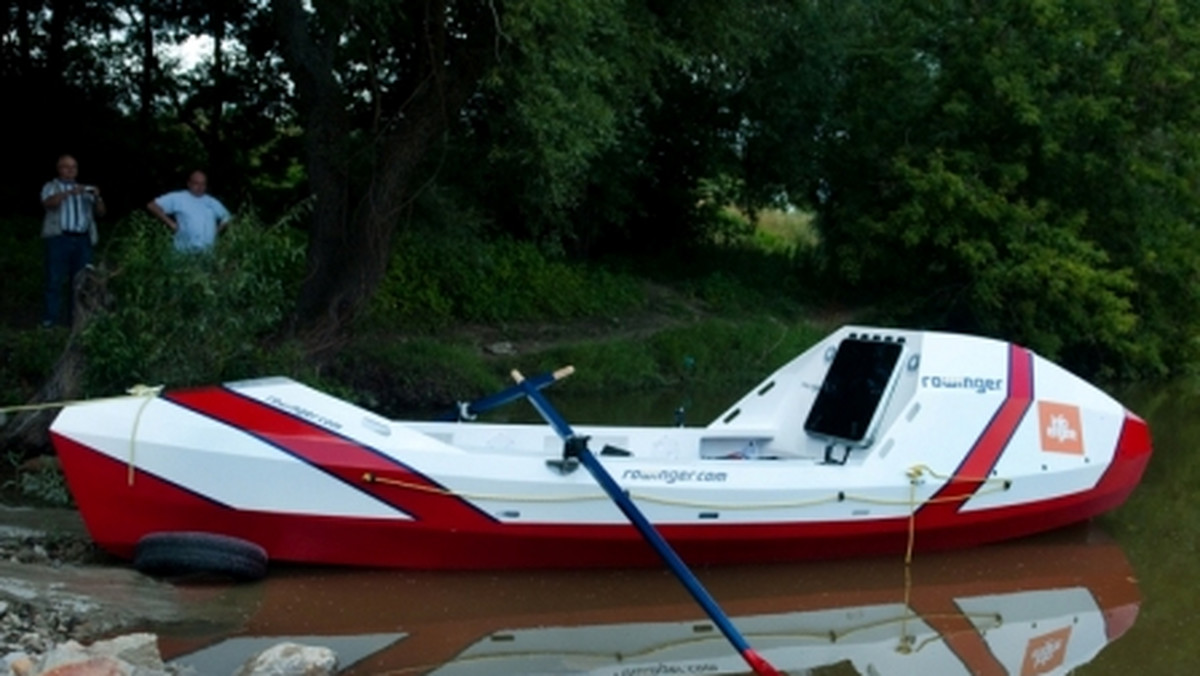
pixel 22 259
pixel 26 358
pixel 41 482
pixel 713 352
pixel 785 230
pixel 400 378
pixel 435 281
pixel 182 319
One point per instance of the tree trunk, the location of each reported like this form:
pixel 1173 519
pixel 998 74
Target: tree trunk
pixel 321 106
pixel 219 153
pixel 149 65
pixel 56 44
pixel 28 433
pixel 24 21
pixel 349 249
pixel 218 20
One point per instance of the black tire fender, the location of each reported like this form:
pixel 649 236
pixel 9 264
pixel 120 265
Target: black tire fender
pixel 186 553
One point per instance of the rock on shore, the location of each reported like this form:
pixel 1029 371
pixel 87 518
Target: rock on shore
pixel 60 604
pixel 137 655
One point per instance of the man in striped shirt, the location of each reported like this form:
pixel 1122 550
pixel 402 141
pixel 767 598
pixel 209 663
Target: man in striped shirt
pixel 69 231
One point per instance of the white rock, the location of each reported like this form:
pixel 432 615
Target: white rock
pixel 95 666
pixel 290 659
pixel 64 653
pixel 129 655
pixel 140 650
pixel 501 348
pixel 17 663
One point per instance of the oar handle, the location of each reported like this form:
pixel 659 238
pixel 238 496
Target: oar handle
pixel 548 412
pixel 468 410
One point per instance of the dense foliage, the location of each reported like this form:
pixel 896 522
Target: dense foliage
pixel 1030 176
pixel 1022 168
pixel 435 282
pixel 184 319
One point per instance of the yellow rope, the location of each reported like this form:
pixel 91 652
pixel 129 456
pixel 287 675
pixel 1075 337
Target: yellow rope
pixel 148 392
pixel 733 507
pixel 914 477
pixel 912 522
pixel 136 390
pixel 914 474
pixel 373 479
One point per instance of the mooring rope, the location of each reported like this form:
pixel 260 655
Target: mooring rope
pixel 914 474
pixel 136 391
pixel 147 392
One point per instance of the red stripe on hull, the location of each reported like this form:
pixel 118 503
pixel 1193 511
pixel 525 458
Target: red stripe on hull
pixel 336 455
pixel 118 515
pixel 982 457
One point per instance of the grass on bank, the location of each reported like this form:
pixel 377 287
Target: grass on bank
pixel 423 374
pixel 184 320
pixel 724 316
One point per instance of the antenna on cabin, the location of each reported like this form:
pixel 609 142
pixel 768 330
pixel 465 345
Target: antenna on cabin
pixel 689 367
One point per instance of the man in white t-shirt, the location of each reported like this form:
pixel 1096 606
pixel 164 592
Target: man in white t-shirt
pixel 192 216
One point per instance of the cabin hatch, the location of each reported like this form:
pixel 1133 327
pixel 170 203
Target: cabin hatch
pixel 850 402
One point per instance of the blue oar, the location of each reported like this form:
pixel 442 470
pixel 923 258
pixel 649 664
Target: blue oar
pixel 468 410
pixel 578 446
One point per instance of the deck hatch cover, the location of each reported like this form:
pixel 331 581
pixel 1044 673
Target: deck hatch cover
pixel 849 402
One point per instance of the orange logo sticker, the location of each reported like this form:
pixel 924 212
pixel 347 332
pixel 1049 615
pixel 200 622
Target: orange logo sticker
pixel 1045 653
pixel 1061 430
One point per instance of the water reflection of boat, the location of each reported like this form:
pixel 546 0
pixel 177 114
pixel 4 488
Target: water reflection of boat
pixel 866 438
pixel 1037 606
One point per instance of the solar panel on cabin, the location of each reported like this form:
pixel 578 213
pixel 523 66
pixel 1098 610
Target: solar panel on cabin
pixel 852 389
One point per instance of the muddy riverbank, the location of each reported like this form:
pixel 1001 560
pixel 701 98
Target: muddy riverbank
pixel 56 586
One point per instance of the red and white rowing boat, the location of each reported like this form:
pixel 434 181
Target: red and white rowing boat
pixel 839 452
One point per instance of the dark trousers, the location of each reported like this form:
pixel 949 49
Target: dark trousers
pixel 66 255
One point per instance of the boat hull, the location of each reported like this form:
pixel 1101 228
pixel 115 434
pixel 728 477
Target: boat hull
pixel 946 463
pixel 120 510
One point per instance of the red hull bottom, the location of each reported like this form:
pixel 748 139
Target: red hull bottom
pixel 118 514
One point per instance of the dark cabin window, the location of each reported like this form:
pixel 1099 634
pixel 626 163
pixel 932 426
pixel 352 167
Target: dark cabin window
pixel 852 390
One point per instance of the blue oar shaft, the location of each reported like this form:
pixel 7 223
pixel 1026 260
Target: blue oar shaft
pixel 649 533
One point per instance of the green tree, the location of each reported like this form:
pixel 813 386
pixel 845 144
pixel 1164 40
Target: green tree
pixel 1019 168
pixel 600 128
pixel 90 78
pixel 377 83
pixel 533 96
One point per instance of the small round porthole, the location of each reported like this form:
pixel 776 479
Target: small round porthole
pixel 913 362
pixel 829 352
